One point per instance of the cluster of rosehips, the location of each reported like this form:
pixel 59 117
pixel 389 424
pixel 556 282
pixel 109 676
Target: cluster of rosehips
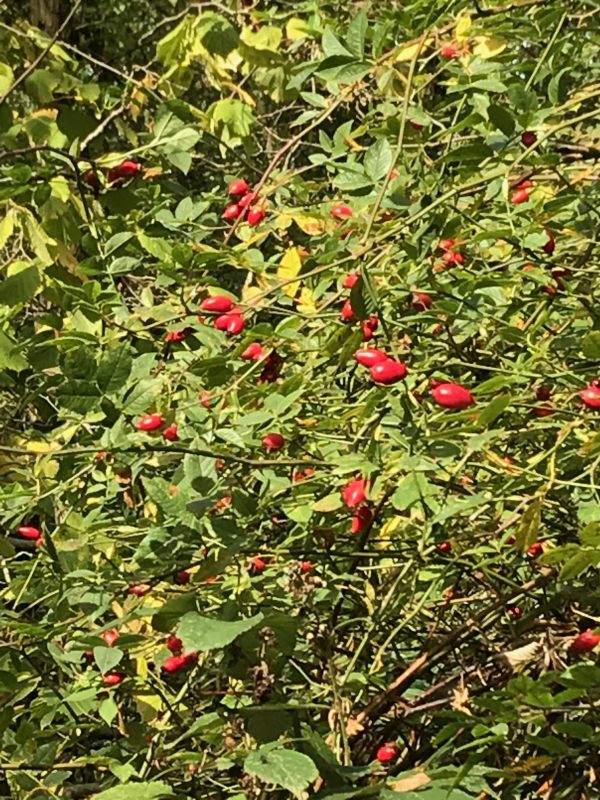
pixel 383 369
pixel 245 204
pixel 451 254
pixel 152 423
pixel 228 316
pixel 125 171
pixel 354 495
pixel 32 533
pixel 521 193
pixel 370 325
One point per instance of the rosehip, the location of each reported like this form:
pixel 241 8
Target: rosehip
pixel 445 547
pixel 361 519
pixel 182 577
pixel 450 257
pixel 150 422
pixel 520 196
pixel 449 50
pixel 217 303
pixel 543 393
pixel 514 611
pixel 273 441
pixel 113 678
pixel 255 216
pixel 386 753
pixel 248 199
pixel 305 566
pixel 550 243
pixel 351 279
pixel 354 492
pixel 347 312
pixel 388 372
pixel 341 211
pixel 231 212
pixel 543 411
pixel 235 324
pixel 174 644
pixel 175 664
pixel 254 352
pixel 370 356
pixel 528 138
pixel 238 187
pixel 585 642
pixel 110 637
pixel 206 399
pixel 29 532
pixel 92 179
pixel 257 564
pixel 171 434
pixel 536 549
pixel 591 396
pixel 139 589
pixel 452 395
pixel 421 301
pixel 369 326
pixel 447 244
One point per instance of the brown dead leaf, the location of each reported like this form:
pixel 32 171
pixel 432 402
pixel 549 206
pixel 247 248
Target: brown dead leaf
pixel 460 701
pixel 411 782
pixel 128 499
pixel 353 727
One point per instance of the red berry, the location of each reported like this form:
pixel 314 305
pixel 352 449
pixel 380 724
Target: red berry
pixel 235 324
pixel 361 519
pixel 139 589
pixel 388 372
pixel 273 441
pixel 110 637
pixel 127 169
pixel 550 243
pixel 543 411
pixel 305 566
pixel 514 611
pixel 341 211
pixel 221 322
pixel 354 492
pixel 113 678
pixel 29 532
pixel 445 547
pixel 421 301
pixel 92 179
pixel 254 352
pixel 350 279
pixel 347 312
pixel 257 565
pixel 175 664
pixel 543 393
pixel 447 244
pixel 206 399
pixel 528 138
pixel 449 50
pixel 255 216
pixel 452 395
pixel 150 422
pixel 175 336
pixel 171 434
pixel 231 212
pixel 536 549
pixel 217 303
pixel 182 577
pixel 520 196
pixel 386 753
pixel 585 642
pixel 248 200
pixel 174 644
pixel 591 396
pixel 369 326
pixel 450 257
pixel 370 356
pixel 238 187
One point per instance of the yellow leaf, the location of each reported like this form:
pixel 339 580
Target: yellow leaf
pixel 290 266
pixel 463 26
pixel 389 527
pixel 313 226
pixel 148 705
pixel 409 52
pixel 7 226
pixel 410 783
pixel 488 46
pixel 296 28
pixel 306 302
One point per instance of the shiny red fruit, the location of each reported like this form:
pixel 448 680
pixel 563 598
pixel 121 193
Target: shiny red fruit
pixel 591 396
pixel 171 434
pixel 254 352
pixel 543 393
pixel 520 196
pixel 255 216
pixel 231 212
pixel 139 589
pixel 127 169
pixel 257 564
pixel 369 326
pixel 445 547
pixel 450 257
pixel 347 312
pixel 550 243
pixel 388 372
pixel 585 642
pixel 235 324
pixel 543 411
pixel 110 637
pixel 273 441
pixel 92 179
pixel 421 301
pixel 29 532
pixel 175 336
pixel 447 244
pixel 351 279
pixel 150 422
pixel 113 678
pixel 386 753
pixel 175 664
pixel 306 566
pixel 370 356
pixel 341 211
pixel 206 399
pixel 449 50
pixel 536 549
pixel 238 187
pixel 528 138
pixel 248 199
pixel 361 520
pixel 217 303
pixel 514 611
pixel 174 644
pixel 452 395
pixel 182 577
pixel 354 492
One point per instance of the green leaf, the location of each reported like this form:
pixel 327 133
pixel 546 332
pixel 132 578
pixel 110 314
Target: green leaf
pixel 79 395
pixel 11 356
pixel 200 633
pixel 378 159
pixel 591 345
pixel 493 410
pixel 159 248
pixel 332 46
pixel 107 658
pixel 355 36
pixel 114 369
pixel 287 768
pixel 528 526
pixel 20 287
pixel 136 791
pixel 502 119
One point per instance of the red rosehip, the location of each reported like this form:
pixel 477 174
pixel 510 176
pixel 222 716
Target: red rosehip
pixel 545 410
pixel 354 492
pixel 139 589
pixel 528 138
pixel 585 642
pixel 536 549
pixel 361 519
pixel 174 644
pixel 217 303
pixel 150 422
pixel 170 433
pixel 520 196
pixel 92 179
pixel 421 301
pixel 452 395
pixel 450 257
pixel 386 753
pixel 175 336
pixel 29 532
pixel 447 244
pixel 514 611
pixel 254 352
pixel 256 565
pixel 347 312
pixel 110 637
pixel 231 212
pixel 370 356
pixel 273 441
pixel 182 577
pixel 113 678
pixel 543 393
pixel 388 372
pixel 235 324
pixel 305 566
pixel 369 326
pixel 351 279
pixel 255 216
pixel 175 664
pixel 341 211
pixel 238 187
pixel 591 396
pixel 126 169
pixel 248 199
pixel 550 243
pixel 445 547
pixel 206 399
pixel 449 50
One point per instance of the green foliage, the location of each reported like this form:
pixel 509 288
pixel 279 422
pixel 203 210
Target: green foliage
pixel 439 616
